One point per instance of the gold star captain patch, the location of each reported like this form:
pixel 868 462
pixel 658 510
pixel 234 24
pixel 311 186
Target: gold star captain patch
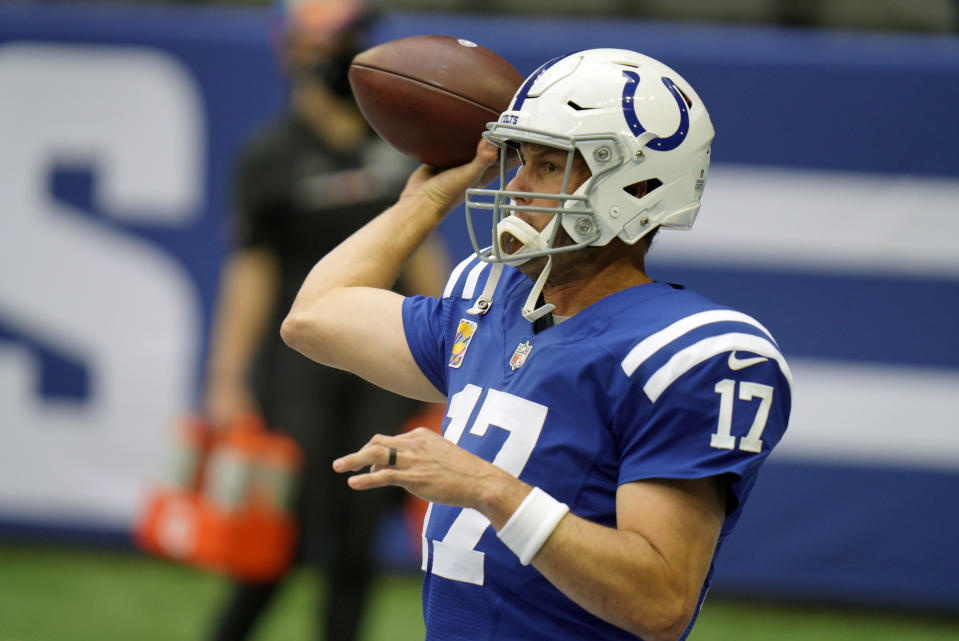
pixel 519 356
pixel 464 334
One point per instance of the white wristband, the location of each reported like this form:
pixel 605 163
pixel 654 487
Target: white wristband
pixel 531 524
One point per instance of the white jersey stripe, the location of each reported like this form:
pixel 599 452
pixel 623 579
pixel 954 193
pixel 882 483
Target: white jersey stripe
pixel 424 543
pixel 472 279
pixel 653 343
pixel 455 275
pixel 685 359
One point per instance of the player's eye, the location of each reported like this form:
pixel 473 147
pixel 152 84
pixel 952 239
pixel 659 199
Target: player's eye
pixel 551 168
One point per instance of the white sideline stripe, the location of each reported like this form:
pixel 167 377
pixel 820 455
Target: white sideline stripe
pixel 873 414
pixel 822 221
pixel 653 343
pixel 685 359
pixel 472 279
pixel 455 275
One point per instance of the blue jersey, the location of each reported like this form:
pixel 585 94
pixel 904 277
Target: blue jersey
pixel 651 382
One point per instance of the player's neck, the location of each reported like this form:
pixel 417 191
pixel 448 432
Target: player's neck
pixel 575 295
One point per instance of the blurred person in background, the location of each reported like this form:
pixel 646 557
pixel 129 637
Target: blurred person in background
pixel 304 183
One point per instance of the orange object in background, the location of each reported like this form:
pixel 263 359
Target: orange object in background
pixel 225 504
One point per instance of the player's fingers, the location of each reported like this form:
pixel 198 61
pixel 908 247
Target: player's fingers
pixel 371 480
pixel 391 461
pixel 485 162
pixel 486 151
pixel 372 453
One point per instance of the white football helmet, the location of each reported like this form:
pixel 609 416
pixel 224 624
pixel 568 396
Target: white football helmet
pixel 632 119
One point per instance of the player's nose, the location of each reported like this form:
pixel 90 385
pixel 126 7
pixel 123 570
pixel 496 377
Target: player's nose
pixel 518 182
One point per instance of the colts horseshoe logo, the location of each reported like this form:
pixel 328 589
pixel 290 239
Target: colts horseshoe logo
pixel 629 112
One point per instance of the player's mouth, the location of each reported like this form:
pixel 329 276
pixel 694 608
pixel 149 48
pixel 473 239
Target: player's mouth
pixel 509 244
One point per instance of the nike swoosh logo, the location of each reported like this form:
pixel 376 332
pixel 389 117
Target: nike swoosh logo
pixel 743 363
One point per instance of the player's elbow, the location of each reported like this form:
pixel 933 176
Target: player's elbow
pixel 294 329
pixel 670 626
pixel 667 621
pixel 303 331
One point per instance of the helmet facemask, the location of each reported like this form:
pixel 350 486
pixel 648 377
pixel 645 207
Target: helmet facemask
pixel 515 241
pixel 571 210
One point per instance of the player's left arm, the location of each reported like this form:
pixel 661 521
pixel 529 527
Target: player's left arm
pixel 715 412
pixel 710 416
pixel 644 575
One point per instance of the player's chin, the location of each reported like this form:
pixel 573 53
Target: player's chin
pixel 533 267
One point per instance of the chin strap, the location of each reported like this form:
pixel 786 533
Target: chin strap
pixel 485 300
pixel 530 311
pixel 532 240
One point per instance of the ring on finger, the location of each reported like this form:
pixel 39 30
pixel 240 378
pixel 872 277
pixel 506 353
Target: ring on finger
pixel 392 462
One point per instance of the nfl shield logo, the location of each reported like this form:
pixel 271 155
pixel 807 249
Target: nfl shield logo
pixel 519 356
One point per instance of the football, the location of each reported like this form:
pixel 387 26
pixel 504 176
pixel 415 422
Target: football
pixel 430 97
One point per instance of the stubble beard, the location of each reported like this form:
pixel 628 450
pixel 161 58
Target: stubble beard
pixel 568 266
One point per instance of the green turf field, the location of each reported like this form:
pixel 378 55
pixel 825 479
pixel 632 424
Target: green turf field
pixel 60 594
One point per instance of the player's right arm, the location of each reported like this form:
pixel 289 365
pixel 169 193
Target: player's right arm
pixel 345 315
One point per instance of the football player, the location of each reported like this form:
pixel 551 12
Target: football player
pixel 603 430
